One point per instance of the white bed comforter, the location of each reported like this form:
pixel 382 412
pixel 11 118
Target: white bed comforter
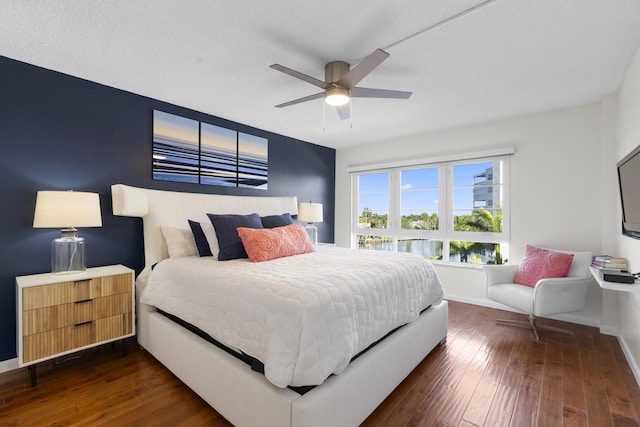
pixel 305 316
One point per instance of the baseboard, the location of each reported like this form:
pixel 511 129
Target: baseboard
pixel 580 320
pixel 475 301
pixel 608 330
pixel 568 317
pixel 630 359
pixel 8 365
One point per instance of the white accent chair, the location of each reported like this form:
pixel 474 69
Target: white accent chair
pixel 548 297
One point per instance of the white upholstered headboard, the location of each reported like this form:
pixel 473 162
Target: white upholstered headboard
pixel 158 207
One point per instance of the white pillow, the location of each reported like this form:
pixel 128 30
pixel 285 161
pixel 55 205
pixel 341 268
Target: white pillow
pixel 180 242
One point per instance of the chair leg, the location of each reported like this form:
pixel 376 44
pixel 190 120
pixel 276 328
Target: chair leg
pixel 526 324
pixel 554 329
pixel 531 324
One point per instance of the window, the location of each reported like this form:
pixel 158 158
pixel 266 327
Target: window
pixel 451 211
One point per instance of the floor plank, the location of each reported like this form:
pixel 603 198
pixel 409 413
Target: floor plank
pixel 484 375
pixel 550 411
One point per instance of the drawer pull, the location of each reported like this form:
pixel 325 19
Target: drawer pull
pixel 83 301
pixel 78 282
pixel 83 323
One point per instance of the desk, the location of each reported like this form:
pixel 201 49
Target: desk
pixel 620 287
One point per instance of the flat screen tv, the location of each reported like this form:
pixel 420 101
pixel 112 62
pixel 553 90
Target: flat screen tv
pixel 629 180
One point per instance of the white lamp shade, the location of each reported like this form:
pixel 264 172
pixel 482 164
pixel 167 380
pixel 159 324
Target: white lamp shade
pixel 67 209
pixel 310 212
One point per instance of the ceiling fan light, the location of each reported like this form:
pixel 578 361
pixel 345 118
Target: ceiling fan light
pixel 336 96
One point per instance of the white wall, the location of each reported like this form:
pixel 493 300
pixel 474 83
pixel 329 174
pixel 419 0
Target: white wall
pixel 627 138
pixel 555 186
pixel 610 207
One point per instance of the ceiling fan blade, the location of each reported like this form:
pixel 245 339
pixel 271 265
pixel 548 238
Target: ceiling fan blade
pixel 361 70
pixel 300 100
pixel 365 92
pixel 301 76
pixel 344 111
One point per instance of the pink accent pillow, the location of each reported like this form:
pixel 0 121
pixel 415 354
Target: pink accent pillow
pixel 541 263
pixel 271 243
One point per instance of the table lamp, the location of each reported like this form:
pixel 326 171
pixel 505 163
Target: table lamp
pixel 67 210
pixel 310 213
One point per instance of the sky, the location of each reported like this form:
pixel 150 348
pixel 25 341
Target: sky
pixel 419 188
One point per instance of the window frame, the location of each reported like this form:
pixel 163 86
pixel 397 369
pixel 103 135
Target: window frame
pixel 445 233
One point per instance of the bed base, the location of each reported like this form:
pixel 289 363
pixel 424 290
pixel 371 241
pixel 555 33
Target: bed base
pixel 246 398
pixel 242 396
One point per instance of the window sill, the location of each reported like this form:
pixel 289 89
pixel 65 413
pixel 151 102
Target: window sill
pixel 459 265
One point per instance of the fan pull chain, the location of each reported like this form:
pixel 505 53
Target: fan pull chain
pixel 324 119
pixel 350 114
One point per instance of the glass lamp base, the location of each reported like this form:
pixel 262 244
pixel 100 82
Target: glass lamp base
pixel 312 231
pixel 67 255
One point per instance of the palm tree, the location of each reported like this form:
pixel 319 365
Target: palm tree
pixel 365 218
pixel 480 220
pixel 463 248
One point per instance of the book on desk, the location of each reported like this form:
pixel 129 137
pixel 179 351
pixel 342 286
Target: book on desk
pixel 609 262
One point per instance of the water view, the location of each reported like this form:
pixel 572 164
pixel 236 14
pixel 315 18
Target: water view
pixel 431 249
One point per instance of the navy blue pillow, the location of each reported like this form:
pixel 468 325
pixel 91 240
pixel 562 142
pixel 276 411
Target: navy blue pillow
pixel 227 232
pixel 201 240
pixel 273 221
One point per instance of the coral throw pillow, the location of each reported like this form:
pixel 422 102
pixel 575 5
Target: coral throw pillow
pixel 541 263
pixel 271 243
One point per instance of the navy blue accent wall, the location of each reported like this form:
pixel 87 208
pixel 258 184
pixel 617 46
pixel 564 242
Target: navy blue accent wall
pixel 59 132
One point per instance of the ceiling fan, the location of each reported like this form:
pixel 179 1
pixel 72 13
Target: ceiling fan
pixel 340 81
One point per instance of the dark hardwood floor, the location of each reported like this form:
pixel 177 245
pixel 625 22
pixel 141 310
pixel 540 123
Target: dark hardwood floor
pixel 484 375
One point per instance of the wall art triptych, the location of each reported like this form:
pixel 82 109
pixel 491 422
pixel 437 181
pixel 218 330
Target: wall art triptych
pixel 187 150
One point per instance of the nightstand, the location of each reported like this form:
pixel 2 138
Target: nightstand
pixel 59 314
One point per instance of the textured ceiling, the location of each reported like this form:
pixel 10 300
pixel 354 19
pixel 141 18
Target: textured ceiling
pixel 506 58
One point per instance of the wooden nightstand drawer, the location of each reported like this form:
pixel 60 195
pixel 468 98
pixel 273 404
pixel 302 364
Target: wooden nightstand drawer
pixel 55 294
pixel 73 291
pixel 111 285
pixel 112 305
pixel 60 340
pixel 59 314
pixel 53 342
pixel 113 327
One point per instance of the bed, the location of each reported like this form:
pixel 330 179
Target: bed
pixel 343 395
